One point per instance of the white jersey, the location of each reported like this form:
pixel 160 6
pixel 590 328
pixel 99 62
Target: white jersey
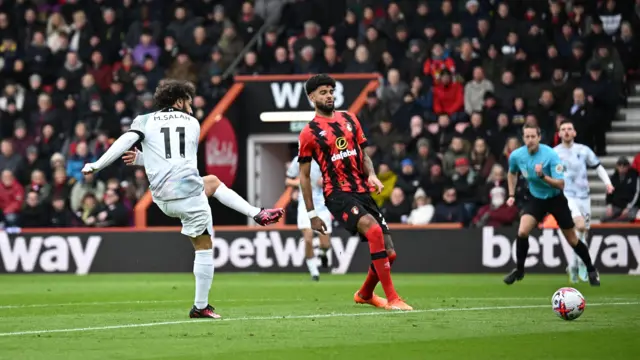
pixel 576 159
pixel 316 190
pixel 170 145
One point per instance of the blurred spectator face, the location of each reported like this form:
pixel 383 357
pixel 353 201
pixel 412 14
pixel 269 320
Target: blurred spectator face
pixel 492 52
pixel 140 175
pixel 113 184
pixel 6 147
pixel 435 170
pixel 30 16
pixel 250 58
pixel 456 30
pixel 111 197
pixel 595 74
pixel 120 106
pixel 281 55
pixel 218 16
pixel 567 31
pixel 96 106
pixel 4 21
pixel 79 19
pixel 490 102
pixel 446 7
pixel 397 197
pixel 555 8
pixel 387 59
pixel 38 39
pixel 512 38
pixel 512 144
pixel 603 52
pixel 402 34
pixel 199 102
pixel 578 96
pixel 476 120
pixel 372 34
pixel 611 5
pixel 430 31
pixel 596 28
pixel 70 103
pixel 330 55
pixel 60 176
pixel 32 199
pixel 393 10
pixel 182 60
pixel 497 173
pixel 72 58
pixel 307 53
pixel 61 83
pixel 503 120
pixel 351 43
pixel 44 102
pixel 145 39
pixel 180 13
pixel 480 146
pixel 89 202
pixel 466 49
pixel 140 83
pixel 497 197
pixel 310 29
pixel 531 120
pixel 462 169
pixel 437 51
pixel 449 196
pixel 96 58
pixel 416 122
pixel 385 127
pixel 456 144
pixel 558 74
pixel 393 76
pixel 20 132
pixel 443 121
pixel 546 98
pixel 10 90
pixel 199 34
pixel 271 37
pixel 80 131
pixel 399 147
pixel 423 151
pixel 109 16
pixel 32 156
pixel 534 30
pixel 407 169
pixel 149 64
pixel 623 169
pixel 518 104
pixel 35 82
pixel 534 72
pixel 362 54
pixel 445 78
pixel 368 13
pixel 229 32
pixel 625 31
pixel 7 178
pixel 37 178
pixel 247 8
pixel 421 201
pixel 12 108
pixel 483 26
pixel 503 10
pixel 350 17
pixel 577 52
pixel 81 149
pixel 478 74
pixel 507 78
pixel 384 169
pixel 422 9
pixel 58 204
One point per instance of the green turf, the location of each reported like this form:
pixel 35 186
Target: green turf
pixel 275 317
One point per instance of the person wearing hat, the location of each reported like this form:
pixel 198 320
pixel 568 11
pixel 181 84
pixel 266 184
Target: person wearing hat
pixel 423 210
pixel 408 178
pixel 622 203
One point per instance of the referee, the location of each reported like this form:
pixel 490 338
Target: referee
pixel 540 165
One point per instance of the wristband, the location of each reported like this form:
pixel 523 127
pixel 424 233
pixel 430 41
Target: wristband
pixel 312 214
pixel 511 196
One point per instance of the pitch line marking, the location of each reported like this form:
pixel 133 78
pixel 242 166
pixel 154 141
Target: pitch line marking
pixel 291 317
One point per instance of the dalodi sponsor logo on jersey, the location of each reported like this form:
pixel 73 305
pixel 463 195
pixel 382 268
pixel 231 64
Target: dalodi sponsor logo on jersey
pixel 57 253
pixel 221 151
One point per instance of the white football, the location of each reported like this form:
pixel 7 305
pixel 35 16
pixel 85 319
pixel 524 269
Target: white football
pixel 568 303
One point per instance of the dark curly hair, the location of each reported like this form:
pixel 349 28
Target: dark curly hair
pixel 318 80
pixel 169 91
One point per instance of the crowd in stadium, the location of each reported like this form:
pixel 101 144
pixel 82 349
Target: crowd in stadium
pixel 460 78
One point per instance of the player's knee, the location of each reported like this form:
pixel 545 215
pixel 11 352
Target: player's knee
pixel 580 225
pixel 368 222
pixel 211 183
pixel 202 242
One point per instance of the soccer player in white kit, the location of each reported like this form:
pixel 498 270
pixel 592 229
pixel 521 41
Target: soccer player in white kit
pixel 170 139
pixel 576 159
pixel 304 224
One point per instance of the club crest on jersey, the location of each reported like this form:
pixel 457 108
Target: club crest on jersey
pixel 355 211
pixel 341 143
pixel 559 168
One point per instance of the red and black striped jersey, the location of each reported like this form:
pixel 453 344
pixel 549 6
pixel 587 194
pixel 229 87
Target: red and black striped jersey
pixel 336 144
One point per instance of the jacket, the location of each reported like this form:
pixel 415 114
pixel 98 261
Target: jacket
pixel 448 99
pixel 474 95
pixel 627 190
pixel 11 197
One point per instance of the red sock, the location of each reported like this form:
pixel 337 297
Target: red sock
pixel 381 261
pixel 369 285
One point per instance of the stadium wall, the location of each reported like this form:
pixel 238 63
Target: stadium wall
pixel 436 249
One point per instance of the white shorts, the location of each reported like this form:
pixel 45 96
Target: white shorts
pixel 305 223
pixel 580 207
pixel 194 213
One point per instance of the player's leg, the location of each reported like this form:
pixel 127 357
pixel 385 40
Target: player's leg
pixel 325 240
pixel 304 225
pixel 532 213
pixel 229 198
pixel 560 210
pixel 578 219
pixel 366 293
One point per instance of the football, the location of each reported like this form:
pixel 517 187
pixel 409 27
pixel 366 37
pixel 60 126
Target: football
pixel 568 303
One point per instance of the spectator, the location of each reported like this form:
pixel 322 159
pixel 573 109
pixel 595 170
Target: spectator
pixel 448 97
pixel 183 69
pixel 34 213
pixel 309 38
pixel 408 179
pixel 72 70
pixel 601 94
pixel 507 90
pixel 636 163
pixel 622 204
pixel 281 65
pixel 60 215
pixel 457 150
pixel 9 160
pixel 394 91
pixel 425 158
pixel 423 211
pixel 482 160
pixel 467 62
pixel 582 116
pixel 100 71
pixel 89 205
pixel 434 182
pixel 331 64
pixel 466 183
pixel 361 63
pixel 45 114
pixel 250 65
pixel 561 87
pixel 307 63
pixel 33 162
pixel 442 133
pixel 610 61
pixel 40 186
pixel 89 184
pixel 628 48
pixel 396 210
pixel 21 139
pixel 495 179
pixel 230 44
pixel 397 155
pixel 77 161
pixel 438 62
pixel 497 213
pixel 474 91
pixel 198 47
pixel 11 198
pixel 476 129
pixel 450 210
pixel 388 179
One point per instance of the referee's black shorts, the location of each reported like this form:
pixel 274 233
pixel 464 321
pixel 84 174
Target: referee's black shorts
pixel 558 206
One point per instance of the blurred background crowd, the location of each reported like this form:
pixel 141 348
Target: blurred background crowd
pixel 459 79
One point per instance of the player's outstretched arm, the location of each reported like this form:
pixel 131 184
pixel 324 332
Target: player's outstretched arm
pixel 124 143
pixel 133 158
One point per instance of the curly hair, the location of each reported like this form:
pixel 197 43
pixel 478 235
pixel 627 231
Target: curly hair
pixel 169 91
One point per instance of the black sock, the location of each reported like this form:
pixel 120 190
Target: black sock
pixel 583 252
pixel 522 249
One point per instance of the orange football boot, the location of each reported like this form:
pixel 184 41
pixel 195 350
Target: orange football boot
pixel 398 304
pixel 375 300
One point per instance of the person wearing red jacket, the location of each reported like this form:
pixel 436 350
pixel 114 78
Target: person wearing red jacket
pixel 448 97
pixel 497 213
pixel 437 63
pixel 636 163
pixel 11 197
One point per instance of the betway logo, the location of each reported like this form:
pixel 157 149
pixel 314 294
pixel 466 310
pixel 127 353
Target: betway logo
pixel 269 249
pixel 51 253
pixel 610 251
pixel 288 95
pixel 343 154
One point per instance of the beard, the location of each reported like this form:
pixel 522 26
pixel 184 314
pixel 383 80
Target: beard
pixel 325 108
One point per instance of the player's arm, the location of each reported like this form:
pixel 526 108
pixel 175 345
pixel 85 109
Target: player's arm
pixel 556 179
pixel 124 143
pixel 594 163
pixel 305 156
pixel 512 176
pixel 292 173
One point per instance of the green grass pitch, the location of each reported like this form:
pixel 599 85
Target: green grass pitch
pixel 274 316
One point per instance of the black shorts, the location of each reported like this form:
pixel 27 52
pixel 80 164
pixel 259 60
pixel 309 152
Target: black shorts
pixel 348 208
pixel 558 206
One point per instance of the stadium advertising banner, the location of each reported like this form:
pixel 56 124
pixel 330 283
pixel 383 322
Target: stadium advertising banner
pixel 488 250
pixel 278 105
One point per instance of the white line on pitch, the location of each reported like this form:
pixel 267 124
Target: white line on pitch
pixel 291 317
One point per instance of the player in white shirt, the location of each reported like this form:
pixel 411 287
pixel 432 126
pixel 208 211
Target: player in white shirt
pixel 170 139
pixel 576 158
pixel 304 224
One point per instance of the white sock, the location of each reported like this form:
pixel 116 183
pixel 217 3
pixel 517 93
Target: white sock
pixel 203 271
pixel 231 199
pixel 576 259
pixel 313 268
